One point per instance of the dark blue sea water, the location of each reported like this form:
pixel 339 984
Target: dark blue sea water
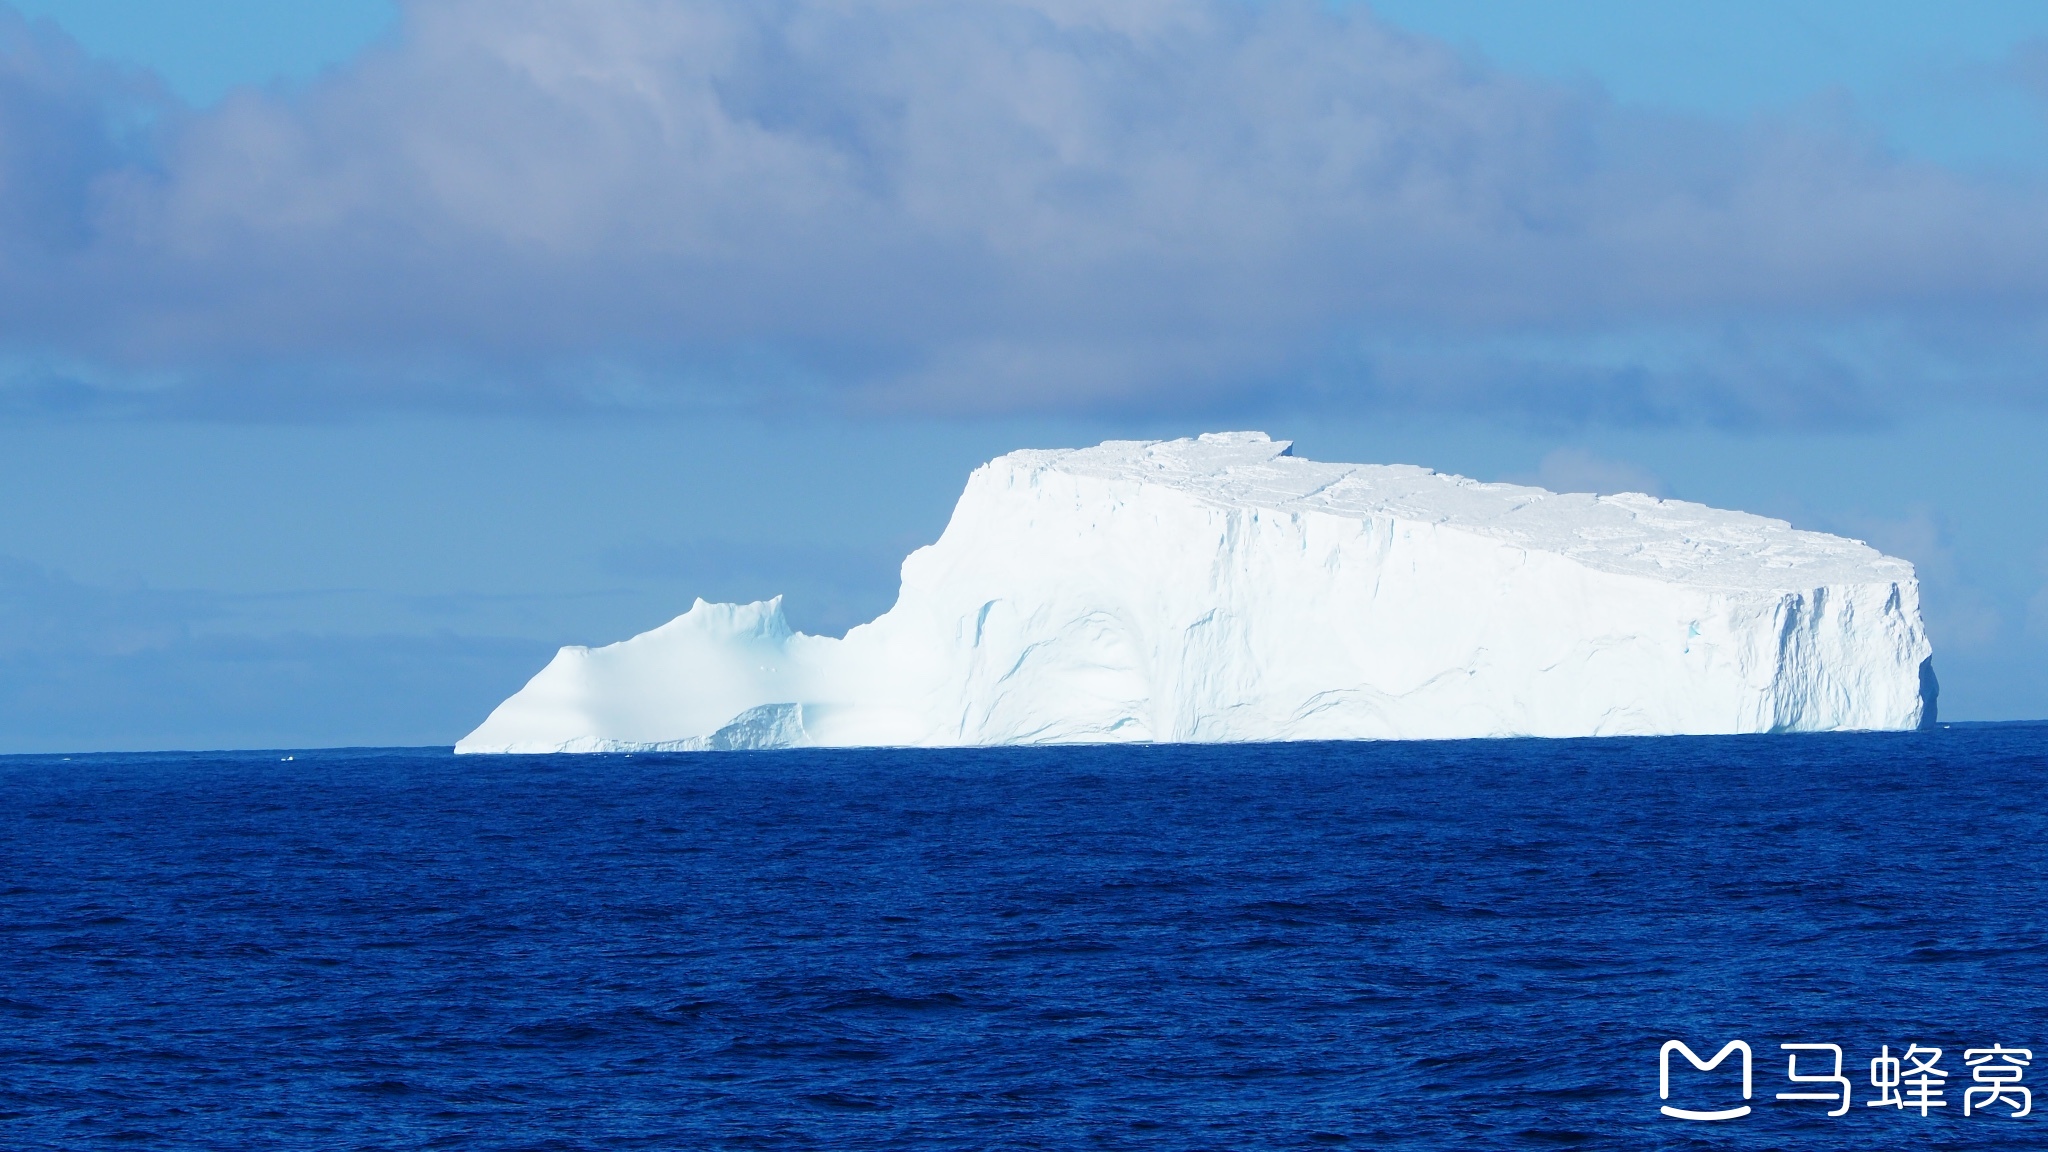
pixel 1447 945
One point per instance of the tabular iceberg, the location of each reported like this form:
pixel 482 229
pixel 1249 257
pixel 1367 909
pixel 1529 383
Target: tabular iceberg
pixel 1222 589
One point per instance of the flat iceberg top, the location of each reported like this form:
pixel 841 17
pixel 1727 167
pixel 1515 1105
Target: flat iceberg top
pixel 1630 533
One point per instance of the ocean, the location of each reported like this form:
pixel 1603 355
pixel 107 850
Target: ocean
pixel 1482 944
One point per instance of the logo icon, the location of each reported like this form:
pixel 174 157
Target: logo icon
pixel 1664 1078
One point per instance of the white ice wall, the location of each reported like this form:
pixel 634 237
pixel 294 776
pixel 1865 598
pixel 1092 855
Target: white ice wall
pixel 1221 590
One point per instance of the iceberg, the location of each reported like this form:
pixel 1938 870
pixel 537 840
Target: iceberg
pixel 1222 589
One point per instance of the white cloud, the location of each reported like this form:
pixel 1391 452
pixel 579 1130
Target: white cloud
pixel 1002 205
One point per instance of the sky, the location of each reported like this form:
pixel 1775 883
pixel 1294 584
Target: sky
pixel 355 355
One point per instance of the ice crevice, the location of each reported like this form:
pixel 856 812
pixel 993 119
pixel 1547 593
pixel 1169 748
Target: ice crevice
pixel 1221 589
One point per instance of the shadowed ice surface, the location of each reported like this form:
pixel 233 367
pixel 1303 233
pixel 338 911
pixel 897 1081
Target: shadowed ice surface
pixel 1443 945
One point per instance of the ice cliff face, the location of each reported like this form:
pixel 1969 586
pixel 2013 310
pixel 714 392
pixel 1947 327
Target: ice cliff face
pixel 1221 589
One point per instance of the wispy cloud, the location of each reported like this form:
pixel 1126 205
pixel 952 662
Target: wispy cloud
pixel 991 207
pixel 1961 617
pixel 1577 470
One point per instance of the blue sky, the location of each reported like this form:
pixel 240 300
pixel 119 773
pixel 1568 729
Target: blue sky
pixel 355 355
pixel 1944 81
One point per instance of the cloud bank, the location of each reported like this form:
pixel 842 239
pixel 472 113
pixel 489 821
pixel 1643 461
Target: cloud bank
pixel 996 207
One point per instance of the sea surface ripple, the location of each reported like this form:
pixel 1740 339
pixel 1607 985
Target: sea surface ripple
pixel 1431 945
